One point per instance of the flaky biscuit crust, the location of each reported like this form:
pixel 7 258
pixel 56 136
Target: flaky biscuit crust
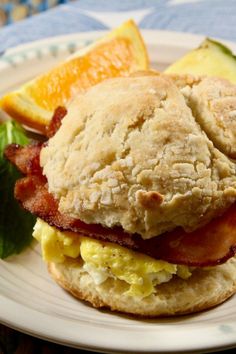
pixel 136 152
pixel 203 290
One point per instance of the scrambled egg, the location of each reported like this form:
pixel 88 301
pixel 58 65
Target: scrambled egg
pixel 104 259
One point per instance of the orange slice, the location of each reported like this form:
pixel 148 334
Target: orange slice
pixel 119 53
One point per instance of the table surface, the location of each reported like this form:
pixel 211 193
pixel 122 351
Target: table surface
pixel 213 18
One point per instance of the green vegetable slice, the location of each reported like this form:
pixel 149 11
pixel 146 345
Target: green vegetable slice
pixel 15 223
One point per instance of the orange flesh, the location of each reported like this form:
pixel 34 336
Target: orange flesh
pixel 110 59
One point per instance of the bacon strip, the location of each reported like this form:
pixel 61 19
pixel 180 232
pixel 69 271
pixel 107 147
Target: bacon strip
pixel 26 159
pixel 210 245
pixel 32 193
pixel 55 122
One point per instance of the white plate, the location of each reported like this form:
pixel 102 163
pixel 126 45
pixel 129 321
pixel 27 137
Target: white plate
pixel 31 302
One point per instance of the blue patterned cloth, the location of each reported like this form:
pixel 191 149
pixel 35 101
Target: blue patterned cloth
pixel 14 10
pixel 214 18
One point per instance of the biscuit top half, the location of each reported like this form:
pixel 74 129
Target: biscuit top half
pixel 147 153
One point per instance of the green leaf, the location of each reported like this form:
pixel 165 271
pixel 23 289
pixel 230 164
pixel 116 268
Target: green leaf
pixel 15 223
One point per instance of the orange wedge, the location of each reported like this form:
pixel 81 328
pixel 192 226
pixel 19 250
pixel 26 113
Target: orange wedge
pixel 119 53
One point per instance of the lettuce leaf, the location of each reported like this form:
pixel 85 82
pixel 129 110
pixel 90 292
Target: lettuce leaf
pixel 15 223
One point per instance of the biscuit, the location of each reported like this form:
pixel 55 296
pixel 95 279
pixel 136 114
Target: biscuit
pixel 133 152
pixel 214 104
pixel 204 289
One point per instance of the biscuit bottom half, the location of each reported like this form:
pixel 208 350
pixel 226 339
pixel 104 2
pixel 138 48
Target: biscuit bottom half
pixel 204 289
pixel 108 275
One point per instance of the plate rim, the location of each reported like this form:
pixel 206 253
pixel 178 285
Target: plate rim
pixel 8 318
pixel 178 335
pixel 163 37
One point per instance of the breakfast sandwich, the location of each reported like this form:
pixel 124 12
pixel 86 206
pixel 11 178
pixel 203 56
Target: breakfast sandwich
pixel 135 194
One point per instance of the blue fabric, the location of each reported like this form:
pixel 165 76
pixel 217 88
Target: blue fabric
pixel 214 18
pixel 54 22
pixel 114 5
pixel 31 7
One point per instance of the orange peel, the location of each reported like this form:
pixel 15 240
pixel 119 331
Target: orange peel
pixel 119 53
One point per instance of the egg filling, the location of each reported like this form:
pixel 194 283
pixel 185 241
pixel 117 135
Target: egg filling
pixel 103 260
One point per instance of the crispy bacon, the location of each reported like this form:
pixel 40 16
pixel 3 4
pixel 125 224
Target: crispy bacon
pixel 26 159
pixel 55 122
pixel 210 245
pixel 32 193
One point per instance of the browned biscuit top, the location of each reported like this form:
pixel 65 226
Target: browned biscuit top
pixel 140 152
